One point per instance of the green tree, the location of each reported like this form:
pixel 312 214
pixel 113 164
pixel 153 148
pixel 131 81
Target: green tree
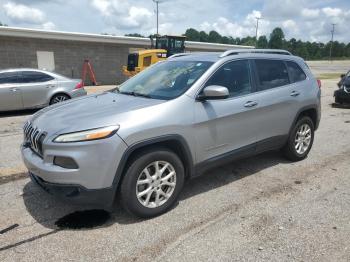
pixel 262 42
pixel 192 35
pixel 203 36
pixel 307 50
pixel 301 50
pixel 1 24
pixel 225 40
pixel 276 38
pixel 249 40
pixel 135 35
pixel 214 37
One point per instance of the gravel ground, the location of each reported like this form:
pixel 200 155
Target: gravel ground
pixel 262 208
pixel 320 67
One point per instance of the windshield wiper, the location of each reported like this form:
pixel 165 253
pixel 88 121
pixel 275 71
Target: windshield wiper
pixel 134 94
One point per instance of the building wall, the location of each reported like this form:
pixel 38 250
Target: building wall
pixel 107 59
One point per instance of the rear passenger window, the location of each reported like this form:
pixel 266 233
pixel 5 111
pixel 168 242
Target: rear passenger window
pixel 235 76
pixel 295 72
pixel 35 77
pixel 271 73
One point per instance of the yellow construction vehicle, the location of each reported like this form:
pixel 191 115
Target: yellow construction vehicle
pixel 161 48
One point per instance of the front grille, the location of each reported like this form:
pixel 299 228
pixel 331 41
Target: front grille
pixel 34 138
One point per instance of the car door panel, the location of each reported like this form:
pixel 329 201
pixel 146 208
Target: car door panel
pixel 10 94
pixel 36 94
pixel 225 125
pixel 35 91
pixel 278 109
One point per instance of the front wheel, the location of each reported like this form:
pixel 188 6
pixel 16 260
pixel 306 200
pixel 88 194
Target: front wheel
pixel 300 140
pixel 152 183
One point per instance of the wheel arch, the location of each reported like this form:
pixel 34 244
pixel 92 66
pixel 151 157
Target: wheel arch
pixel 175 143
pixel 310 111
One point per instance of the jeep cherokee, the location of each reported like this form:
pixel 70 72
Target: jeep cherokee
pixel 171 122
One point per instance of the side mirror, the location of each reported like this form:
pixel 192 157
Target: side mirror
pixel 213 93
pixel 342 75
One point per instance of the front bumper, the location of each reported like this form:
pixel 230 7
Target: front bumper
pixel 341 96
pixel 94 179
pixel 76 194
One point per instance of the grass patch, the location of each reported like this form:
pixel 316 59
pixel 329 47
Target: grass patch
pixel 329 76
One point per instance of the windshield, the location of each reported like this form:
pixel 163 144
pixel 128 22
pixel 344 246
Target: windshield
pixel 165 80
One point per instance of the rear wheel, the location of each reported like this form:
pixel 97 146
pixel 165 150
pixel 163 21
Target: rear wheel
pixel 300 140
pixel 59 98
pixel 152 183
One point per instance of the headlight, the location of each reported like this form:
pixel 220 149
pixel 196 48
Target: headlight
pixel 87 135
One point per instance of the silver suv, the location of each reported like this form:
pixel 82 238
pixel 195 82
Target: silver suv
pixel 172 122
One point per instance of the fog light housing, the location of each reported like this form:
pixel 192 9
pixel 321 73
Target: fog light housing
pixel 65 162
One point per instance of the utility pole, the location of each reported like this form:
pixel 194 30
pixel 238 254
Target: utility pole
pixel 330 50
pixel 257 29
pixel 157 3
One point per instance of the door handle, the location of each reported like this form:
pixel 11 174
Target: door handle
pixel 250 104
pixel 294 93
pixel 14 89
pixel 50 86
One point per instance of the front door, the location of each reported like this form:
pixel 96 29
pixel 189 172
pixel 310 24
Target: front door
pixel 228 125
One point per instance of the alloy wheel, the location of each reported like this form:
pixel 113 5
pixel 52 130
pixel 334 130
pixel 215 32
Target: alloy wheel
pixel 302 139
pixel 59 98
pixel 155 184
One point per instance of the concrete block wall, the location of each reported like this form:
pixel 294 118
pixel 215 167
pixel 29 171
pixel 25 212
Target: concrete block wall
pixel 106 59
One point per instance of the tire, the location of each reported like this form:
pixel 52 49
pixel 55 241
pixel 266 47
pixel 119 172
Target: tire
pixel 291 150
pixel 167 190
pixel 59 98
pixel 338 101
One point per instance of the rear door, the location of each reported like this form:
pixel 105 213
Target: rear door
pixel 35 87
pixel 10 94
pixel 277 102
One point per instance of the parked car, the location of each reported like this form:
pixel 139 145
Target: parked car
pixel 342 95
pixel 171 122
pixel 31 88
pixel 342 78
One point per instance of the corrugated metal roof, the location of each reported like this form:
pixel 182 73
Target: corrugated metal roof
pixel 100 38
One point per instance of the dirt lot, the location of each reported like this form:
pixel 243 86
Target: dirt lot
pixel 260 209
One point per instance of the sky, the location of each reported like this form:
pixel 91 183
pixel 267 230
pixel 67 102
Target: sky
pixel 309 20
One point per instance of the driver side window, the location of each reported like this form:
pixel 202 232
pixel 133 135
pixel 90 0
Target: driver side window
pixel 235 76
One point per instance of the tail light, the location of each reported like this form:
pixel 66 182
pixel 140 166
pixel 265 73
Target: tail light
pixel 79 85
pixel 319 83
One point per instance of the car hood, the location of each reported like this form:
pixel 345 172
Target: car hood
pixel 89 112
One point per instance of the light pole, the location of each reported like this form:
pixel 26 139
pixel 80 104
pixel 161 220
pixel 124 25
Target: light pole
pixel 256 31
pixel 157 3
pixel 330 50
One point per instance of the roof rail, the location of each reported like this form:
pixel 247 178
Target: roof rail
pixel 255 51
pixel 178 55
